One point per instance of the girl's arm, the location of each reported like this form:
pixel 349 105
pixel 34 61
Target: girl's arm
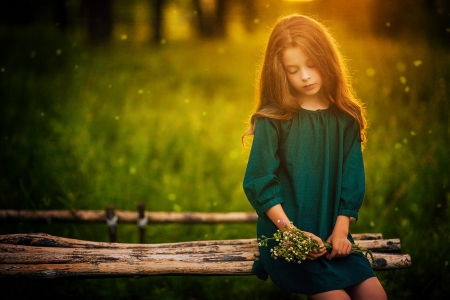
pixel 276 214
pixel 352 192
pixel 338 238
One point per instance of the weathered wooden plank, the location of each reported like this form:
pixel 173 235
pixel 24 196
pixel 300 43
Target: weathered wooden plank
pixel 43 255
pixel 367 236
pixel 40 239
pixel 125 269
pixel 391 261
pixel 46 256
pixel 98 216
pixel 388 245
pixel 138 268
pixel 46 240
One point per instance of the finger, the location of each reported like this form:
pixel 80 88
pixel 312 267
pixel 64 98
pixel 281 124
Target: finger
pixel 333 253
pixel 319 242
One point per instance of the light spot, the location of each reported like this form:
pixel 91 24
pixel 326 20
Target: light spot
pixel 42 114
pixel 3 70
pixel 370 72
pixel 140 92
pixel 176 207
pixel 187 101
pixel 406 89
pixel 405 141
pixel 124 37
pixel 58 52
pixel 412 133
pixel 76 66
pixel 172 196
pixel 403 79
pixel 372 224
pixel 204 113
pixel 388 24
pixel 132 170
pixel 404 222
pixel 417 63
pixel 33 54
pixel 256 21
pixel 398 146
pixel 116 118
pixel 163 42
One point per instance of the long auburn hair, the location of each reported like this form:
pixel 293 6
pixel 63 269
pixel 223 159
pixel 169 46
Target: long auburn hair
pixel 274 97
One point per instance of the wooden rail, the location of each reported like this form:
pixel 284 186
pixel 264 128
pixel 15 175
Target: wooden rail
pixel 45 256
pixel 130 217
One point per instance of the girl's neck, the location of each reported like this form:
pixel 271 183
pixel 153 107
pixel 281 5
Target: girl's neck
pixel 314 103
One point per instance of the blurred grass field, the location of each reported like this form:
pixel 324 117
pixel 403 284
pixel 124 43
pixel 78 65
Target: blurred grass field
pixel 83 128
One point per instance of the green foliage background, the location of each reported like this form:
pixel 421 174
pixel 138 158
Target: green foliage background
pixel 82 128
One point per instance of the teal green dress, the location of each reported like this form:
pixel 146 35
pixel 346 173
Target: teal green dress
pixel 313 166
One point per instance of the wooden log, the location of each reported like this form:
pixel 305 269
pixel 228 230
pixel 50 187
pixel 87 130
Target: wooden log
pixel 98 216
pixel 367 236
pixel 45 256
pixel 46 240
pixel 143 268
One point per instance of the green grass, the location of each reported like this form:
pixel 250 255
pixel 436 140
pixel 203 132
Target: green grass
pixel 86 128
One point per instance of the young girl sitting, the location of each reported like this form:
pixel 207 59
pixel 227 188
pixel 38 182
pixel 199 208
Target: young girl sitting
pixel 306 166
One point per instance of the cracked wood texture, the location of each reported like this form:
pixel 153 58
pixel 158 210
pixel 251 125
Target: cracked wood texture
pixel 46 256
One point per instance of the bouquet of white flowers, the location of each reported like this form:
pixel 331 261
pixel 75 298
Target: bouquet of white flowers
pixel 294 245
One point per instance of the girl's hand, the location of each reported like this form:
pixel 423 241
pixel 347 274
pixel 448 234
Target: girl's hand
pixel 341 246
pixel 315 254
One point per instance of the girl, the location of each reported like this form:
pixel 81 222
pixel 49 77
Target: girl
pixel 306 164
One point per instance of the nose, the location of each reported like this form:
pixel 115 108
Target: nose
pixel 305 74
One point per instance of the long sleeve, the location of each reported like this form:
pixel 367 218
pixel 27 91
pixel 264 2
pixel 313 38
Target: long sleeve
pixel 261 184
pixel 353 179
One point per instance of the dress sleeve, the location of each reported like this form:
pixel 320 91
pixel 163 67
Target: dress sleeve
pixel 353 179
pixel 261 185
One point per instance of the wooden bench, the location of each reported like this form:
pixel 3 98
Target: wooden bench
pixel 45 256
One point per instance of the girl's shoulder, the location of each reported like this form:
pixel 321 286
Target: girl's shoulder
pixel 342 115
pixel 272 125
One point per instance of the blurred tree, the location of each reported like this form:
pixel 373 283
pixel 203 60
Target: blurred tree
pixel 157 20
pixel 60 14
pixel 211 17
pixel 250 14
pixel 420 18
pixel 19 12
pixel 100 20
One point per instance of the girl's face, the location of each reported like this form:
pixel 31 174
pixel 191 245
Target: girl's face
pixel 301 73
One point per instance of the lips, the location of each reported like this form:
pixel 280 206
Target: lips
pixel 309 86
